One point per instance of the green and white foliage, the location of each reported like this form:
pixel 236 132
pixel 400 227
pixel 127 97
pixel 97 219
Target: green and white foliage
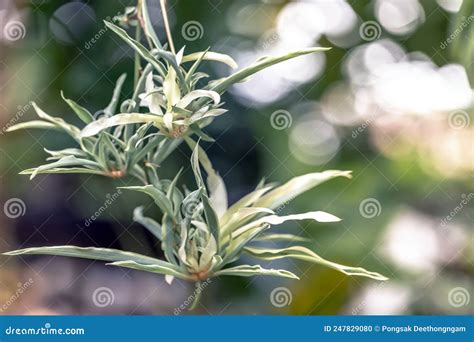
pixel 202 237
pixel 173 101
pixel 167 105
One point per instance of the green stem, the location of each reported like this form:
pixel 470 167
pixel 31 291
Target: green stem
pixel 137 58
pixel 197 297
pixel 167 26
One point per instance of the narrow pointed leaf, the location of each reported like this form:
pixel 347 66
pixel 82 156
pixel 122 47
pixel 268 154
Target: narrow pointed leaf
pixel 222 85
pixel 319 216
pixel 151 225
pixel 149 30
pixel 93 253
pixel 139 48
pixel 66 152
pixel 80 111
pixel 303 253
pixel 208 253
pixel 212 219
pixel 33 124
pixel 116 120
pixel 296 186
pixel 158 196
pixel 245 201
pixel 282 237
pixel 216 185
pixel 159 269
pixel 196 94
pixel 112 106
pixel 64 162
pixel 73 131
pixel 171 89
pixel 211 56
pixel 59 170
pixel 256 270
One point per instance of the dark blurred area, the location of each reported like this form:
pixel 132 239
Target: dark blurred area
pixel 392 101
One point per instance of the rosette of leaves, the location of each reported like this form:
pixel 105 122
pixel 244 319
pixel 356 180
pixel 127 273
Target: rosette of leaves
pixel 113 152
pixel 169 104
pixel 203 238
pixel 176 104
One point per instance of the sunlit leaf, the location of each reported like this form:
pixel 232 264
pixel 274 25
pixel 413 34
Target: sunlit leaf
pixel 33 124
pixel 222 85
pixel 93 253
pixel 296 186
pixel 80 111
pixel 303 253
pixel 160 269
pixel 112 106
pixel 211 56
pixel 119 119
pixel 256 270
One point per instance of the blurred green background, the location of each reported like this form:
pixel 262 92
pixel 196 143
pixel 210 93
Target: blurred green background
pixel 392 101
